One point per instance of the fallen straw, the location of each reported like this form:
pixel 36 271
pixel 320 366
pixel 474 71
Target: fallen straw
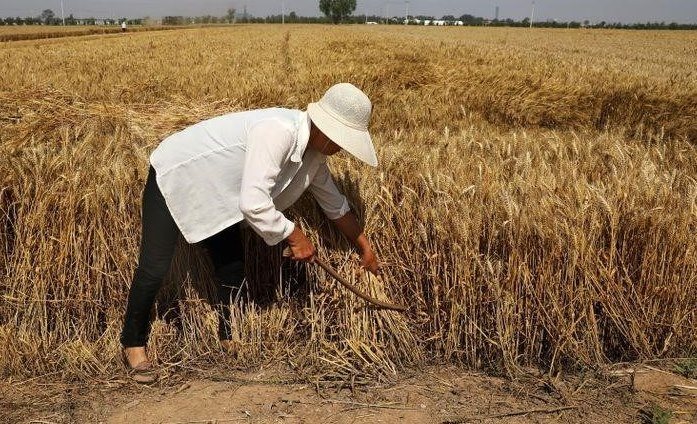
pixel 375 302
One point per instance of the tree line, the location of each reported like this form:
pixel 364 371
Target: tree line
pixel 48 17
pixel 337 11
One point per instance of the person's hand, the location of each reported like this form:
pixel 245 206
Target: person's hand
pixel 301 247
pixel 370 262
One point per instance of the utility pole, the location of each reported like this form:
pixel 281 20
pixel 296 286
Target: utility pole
pixel 283 11
pixel 386 10
pixel 532 14
pixel 62 14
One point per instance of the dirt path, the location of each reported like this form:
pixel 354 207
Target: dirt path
pixel 435 395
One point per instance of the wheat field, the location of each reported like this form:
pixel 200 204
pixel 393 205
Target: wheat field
pixel 39 32
pixel 535 203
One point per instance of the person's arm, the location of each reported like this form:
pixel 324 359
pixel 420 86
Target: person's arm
pixel 351 229
pixel 336 208
pixel 269 148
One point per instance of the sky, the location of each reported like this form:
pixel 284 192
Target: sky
pixel 626 11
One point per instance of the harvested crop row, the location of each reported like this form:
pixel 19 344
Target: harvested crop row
pixel 38 33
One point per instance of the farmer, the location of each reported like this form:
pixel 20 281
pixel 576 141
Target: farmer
pixel 123 26
pixel 248 166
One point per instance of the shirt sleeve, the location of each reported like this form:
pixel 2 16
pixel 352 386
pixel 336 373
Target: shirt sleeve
pixel 323 189
pixel 268 148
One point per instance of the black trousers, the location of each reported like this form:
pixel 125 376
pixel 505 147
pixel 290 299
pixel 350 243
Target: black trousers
pixel 158 242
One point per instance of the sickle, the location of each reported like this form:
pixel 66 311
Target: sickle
pixel 379 303
pixel 376 302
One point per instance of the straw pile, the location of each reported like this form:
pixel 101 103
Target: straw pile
pixel 535 202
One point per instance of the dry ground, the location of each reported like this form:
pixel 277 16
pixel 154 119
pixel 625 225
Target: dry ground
pixel 432 395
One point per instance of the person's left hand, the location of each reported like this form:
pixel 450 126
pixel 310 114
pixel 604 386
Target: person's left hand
pixel 370 262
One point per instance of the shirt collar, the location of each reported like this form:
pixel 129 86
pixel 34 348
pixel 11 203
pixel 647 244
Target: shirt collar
pixel 303 125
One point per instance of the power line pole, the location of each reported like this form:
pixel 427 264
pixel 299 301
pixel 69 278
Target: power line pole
pixel 283 12
pixel 406 17
pixel 532 14
pixel 62 14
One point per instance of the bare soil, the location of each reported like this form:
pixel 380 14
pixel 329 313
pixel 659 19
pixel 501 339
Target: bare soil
pixel 431 395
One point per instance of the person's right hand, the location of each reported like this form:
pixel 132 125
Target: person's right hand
pixel 300 246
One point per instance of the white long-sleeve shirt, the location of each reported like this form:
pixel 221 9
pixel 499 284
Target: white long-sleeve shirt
pixel 243 166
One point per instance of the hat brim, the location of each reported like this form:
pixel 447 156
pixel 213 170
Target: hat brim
pixel 356 142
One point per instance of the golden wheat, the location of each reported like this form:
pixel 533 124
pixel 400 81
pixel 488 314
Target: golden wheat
pixel 37 32
pixel 535 202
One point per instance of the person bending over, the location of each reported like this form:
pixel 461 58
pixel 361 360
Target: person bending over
pixel 205 180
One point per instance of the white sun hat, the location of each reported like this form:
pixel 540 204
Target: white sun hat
pixel 343 114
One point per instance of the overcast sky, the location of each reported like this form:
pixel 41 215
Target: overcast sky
pixel 682 11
